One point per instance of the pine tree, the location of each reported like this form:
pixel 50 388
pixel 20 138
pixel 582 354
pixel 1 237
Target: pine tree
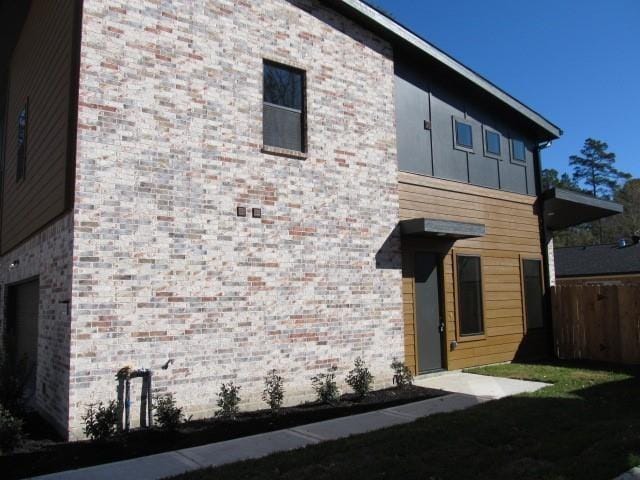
pixel 551 178
pixel 595 168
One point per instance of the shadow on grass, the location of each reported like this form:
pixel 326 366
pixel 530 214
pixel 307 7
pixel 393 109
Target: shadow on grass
pixel 588 432
pixel 632 370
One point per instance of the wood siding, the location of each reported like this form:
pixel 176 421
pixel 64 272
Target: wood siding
pixel 41 70
pixel 597 322
pixel 512 233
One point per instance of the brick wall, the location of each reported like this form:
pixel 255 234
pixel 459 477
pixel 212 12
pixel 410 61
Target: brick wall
pixel 47 256
pixel 169 143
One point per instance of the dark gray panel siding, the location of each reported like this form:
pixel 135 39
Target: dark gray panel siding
pixel 420 97
pixel 448 162
pixel 414 140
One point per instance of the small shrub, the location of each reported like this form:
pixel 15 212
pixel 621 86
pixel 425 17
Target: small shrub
pixel 273 393
pixel 228 401
pixel 360 378
pixel 100 421
pixel 167 414
pixel 402 376
pixel 10 430
pixel 325 385
pixel 13 379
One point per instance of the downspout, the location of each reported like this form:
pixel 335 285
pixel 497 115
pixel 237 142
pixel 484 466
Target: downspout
pixel 547 240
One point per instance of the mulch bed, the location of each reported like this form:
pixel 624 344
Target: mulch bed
pixel 41 454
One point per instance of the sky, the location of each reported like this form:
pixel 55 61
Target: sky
pixel 576 62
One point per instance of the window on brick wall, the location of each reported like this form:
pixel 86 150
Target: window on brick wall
pixel 284 107
pixel 21 160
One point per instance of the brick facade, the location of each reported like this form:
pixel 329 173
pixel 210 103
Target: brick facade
pixel 169 144
pixel 47 256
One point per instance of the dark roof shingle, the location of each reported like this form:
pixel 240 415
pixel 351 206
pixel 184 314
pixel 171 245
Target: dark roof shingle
pixel 608 259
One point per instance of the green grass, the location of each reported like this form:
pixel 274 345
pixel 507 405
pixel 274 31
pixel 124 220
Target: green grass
pixel 585 426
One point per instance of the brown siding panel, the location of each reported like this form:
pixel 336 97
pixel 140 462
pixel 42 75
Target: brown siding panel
pixel 512 230
pixel 40 70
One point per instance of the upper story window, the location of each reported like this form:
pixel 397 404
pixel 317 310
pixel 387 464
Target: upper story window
pixel 463 134
pixel 469 291
pixel 284 107
pixel 492 143
pixel 21 160
pixel 518 150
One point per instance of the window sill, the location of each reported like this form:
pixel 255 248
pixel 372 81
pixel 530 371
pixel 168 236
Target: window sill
pixel 462 148
pixel 283 152
pixel 492 156
pixel 471 338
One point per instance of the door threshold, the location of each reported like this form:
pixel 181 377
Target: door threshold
pixel 431 373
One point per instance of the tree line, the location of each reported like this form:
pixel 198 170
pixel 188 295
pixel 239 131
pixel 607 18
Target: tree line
pixel 594 173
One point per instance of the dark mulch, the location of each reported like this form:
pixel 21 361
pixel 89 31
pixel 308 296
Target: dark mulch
pixel 47 456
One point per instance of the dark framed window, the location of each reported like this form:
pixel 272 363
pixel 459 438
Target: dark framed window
pixel 21 159
pixel 284 107
pixel 518 150
pixel 533 291
pixel 492 143
pixel 463 133
pixel 469 290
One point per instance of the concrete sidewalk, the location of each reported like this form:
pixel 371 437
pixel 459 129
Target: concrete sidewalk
pixel 468 390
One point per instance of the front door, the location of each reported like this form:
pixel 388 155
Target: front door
pixel 22 329
pixel 429 329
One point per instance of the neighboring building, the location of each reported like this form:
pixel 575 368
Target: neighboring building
pixel 612 264
pixel 220 188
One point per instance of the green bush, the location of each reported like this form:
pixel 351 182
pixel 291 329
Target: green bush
pixel 10 430
pixel 273 393
pixel 402 376
pixel 100 420
pixel 228 401
pixel 13 378
pixel 360 378
pixel 167 414
pixel 325 385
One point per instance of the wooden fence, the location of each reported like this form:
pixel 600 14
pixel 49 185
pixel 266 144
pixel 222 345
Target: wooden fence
pixel 597 322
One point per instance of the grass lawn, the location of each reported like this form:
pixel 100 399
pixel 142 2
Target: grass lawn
pixel 585 426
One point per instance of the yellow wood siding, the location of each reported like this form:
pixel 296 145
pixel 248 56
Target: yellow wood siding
pixel 512 231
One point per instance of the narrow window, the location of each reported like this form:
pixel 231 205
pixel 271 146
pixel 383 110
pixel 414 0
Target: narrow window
pixel 283 109
pixel 21 160
pixel 464 134
pixel 533 291
pixel 470 311
pixel 518 150
pixel 492 142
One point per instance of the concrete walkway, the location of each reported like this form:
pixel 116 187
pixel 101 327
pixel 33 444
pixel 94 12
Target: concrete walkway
pixel 478 385
pixel 468 390
pixel 633 474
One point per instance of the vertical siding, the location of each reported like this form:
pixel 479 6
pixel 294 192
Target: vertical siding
pixel 40 70
pixel 512 233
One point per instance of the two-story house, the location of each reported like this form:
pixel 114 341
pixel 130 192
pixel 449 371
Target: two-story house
pixel 212 189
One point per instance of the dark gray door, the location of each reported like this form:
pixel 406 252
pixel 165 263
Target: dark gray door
pixel 23 328
pixel 428 324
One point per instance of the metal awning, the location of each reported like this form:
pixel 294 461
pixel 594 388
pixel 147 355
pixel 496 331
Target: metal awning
pixel 427 227
pixel 565 208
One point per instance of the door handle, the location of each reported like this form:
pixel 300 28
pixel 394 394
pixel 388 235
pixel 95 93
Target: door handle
pixel 441 327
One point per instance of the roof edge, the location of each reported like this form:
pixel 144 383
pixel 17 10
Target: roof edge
pixel 578 197
pixel 403 33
